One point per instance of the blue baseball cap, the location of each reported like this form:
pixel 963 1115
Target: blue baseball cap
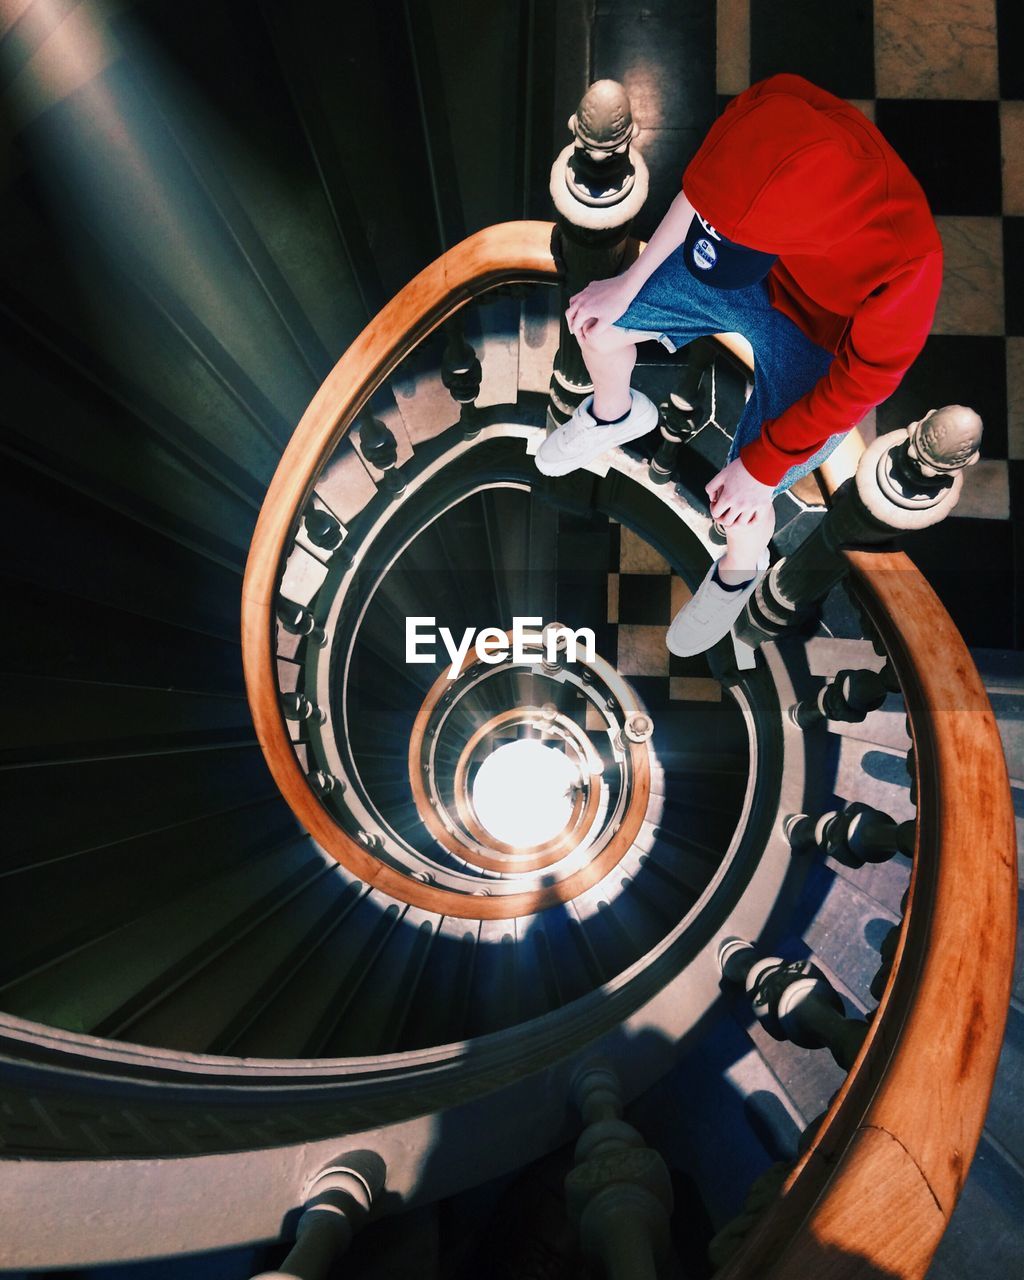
pixel 720 262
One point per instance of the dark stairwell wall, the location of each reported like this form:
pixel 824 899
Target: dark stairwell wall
pixel 201 210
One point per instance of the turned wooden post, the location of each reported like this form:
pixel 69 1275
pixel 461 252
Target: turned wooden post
pixel 461 374
pixel 598 185
pixel 683 411
pixel 619 1193
pixel 905 480
pixel 336 1205
pixel 793 1001
pixel 853 836
pixel 297 620
pixel 378 446
pixel 848 696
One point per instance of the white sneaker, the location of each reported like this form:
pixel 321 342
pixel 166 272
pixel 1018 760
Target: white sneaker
pixel 581 438
pixel 709 616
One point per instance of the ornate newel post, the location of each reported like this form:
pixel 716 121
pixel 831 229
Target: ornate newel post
pixel 619 1194
pixel 336 1205
pixel 598 185
pixel 906 480
pixel 793 1001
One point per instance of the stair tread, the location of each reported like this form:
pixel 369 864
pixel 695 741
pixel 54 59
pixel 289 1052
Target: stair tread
pixel 1005 1119
pixel 828 654
pixel 1000 668
pixel 885 728
pixel 195 1015
pixel 987 1223
pixel 722 1096
pixel 111 972
pixel 116 882
pixel 844 928
pixel 303 1011
pixel 810 1077
pixel 876 776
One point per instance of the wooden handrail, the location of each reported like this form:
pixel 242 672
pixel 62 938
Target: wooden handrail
pixel 877 1186
pixel 875 1189
pixel 510 252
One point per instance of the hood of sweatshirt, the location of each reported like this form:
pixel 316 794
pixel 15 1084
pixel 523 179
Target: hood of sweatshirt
pixel 787 176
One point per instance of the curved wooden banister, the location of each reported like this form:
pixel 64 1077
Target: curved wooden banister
pixel 875 1189
pixel 881 1179
pixel 507 253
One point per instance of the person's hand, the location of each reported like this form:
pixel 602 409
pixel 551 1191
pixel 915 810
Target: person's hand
pixel 736 497
pixel 598 305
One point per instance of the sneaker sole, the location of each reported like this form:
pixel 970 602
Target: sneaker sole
pixel 622 435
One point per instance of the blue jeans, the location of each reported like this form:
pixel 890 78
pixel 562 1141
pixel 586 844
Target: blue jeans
pixel 676 308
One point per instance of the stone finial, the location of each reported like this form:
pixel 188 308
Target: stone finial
pixel 911 479
pixel 599 182
pixel 603 122
pixel 945 439
pixel 639 727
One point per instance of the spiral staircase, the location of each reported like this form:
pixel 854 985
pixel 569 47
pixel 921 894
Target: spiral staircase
pixel 245 938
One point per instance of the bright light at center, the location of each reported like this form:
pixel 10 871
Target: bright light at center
pixel 521 792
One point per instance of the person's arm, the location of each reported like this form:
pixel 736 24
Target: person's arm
pixel 884 338
pixel 668 236
pixel 602 301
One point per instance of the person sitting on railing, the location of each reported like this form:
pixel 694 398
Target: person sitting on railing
pixel 804 231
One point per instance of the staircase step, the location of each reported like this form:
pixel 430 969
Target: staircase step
pixel 328 981
pixel 448 976
pixel 348 956
pixel 722 1096
pixel 71 719
pixel 884 882
pixel 538 339
pixel 117 882
pixel 151 792
pixel 1000 668
pixel 425 403
pixel 374 1023
pixel 101 984
pixel 886 727
pixel 1005 1120
pixel 1009 713
pixel 875 776
pixel 569 970
pixel 195 1015
pixel 674 861
pixel 494 1003
pixel 985 1236
pixel 344 487
pixel 540 987
pixel 844 928
pixel 809 1077
pixel 498 352
pixel 827 655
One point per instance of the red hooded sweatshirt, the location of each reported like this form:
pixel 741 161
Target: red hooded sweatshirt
pixel 790 169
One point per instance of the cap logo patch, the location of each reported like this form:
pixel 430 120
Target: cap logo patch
pixel 708 227
pixel 705 255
